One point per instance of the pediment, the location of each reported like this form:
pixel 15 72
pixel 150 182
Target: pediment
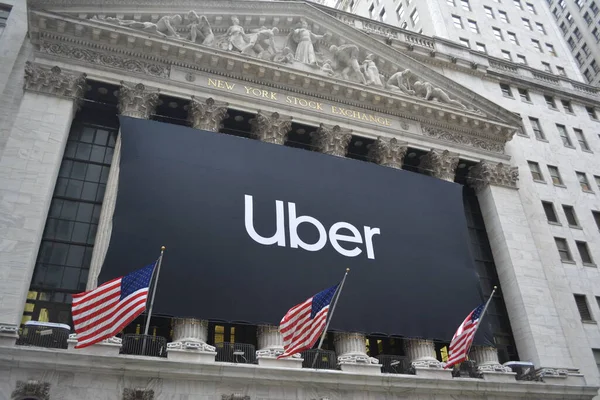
pixel 291 45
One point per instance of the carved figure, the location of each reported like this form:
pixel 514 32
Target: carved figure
pixel 285 56
pixel 430 92
pixel 371 71
pixel 262 44
pixel 236 37
pixel 401 81
pixel 303 38
pixel 326 67
pixel 200 28
pixel 163 26
pixel 346 56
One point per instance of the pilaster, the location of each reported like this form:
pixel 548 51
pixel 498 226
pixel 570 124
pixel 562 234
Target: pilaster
pixel 421 354
pixel 189 341
pixel 270 345
pixel 270 127
pixel 207 115
pixel 54 81
pixel 135 101
pixel 489 366
pixel 332 140
pixel 440 164
pixel 388 152
pixel 351 349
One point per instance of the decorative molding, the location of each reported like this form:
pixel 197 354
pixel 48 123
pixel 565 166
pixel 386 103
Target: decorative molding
pixel 54 81
pixel 8 329
pixel 469 140
pixel 110 340
pixel 553 372
pixel 207 115
pixel 128 64
pixel 421 353
pixel 137 101
pixel 484 174
pixel 191 345
pixel 441 165
pixel 138 394
pixel 332 140
pixel 270 127
pixel 234 396
pixel 31 389
pixel 388 152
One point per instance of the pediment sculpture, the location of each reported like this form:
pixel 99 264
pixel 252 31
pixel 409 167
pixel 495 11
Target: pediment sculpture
pixel 301 48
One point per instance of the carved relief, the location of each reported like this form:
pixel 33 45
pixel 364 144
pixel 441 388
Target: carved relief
pixel 207 115
pixel 371 71
pixel 301 41
pixel 441 165
pixel 388 152
pixel 200 29
pixel 138 394
pixel 270 127
pixel 484 174
pixel 137 101
pixel 346 58
pixel 165 26
pixel 53 81
pixel 332 140
pixel 31 389
pixel 460 138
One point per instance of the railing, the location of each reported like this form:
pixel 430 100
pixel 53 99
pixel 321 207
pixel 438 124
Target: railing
pixel 585 89
pixel 391 364
pixel 326 359
pixel 239 353
pixel 545 78
pixel 47 335
pixel 420 41
pixel 144 345
pixel 503 66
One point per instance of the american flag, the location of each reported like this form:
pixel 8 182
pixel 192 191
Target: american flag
pixel 302 325
pixel 461 342
pixel 103 312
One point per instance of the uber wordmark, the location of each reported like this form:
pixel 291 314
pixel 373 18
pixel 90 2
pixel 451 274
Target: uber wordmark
pixel 296 242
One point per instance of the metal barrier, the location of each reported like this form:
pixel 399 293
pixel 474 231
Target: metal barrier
pixel 467 369
pixel 239 353
pixel 44 334
pixel 525 370
pixel 391 364
pixel 326 359
pixel 144 345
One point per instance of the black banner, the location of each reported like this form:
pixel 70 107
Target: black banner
pixel 252 229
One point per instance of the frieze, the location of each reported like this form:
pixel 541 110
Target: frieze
pixel 460 138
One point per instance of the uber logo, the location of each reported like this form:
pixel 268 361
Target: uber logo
pixel 295 241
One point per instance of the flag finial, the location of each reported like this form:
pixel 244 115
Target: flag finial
pixel 495 287
pixel 163 248
pixel 347 269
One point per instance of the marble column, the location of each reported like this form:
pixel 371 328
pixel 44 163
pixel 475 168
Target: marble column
pixel 440 164
pixel 388 152
pixel 270 345
pixel 351 349
pixel 135 101
pixel 207 115
pixel 189 341
pixel 270 127
pixel 489 366
pixel 332 140
pixel 421 354
pixel 30 163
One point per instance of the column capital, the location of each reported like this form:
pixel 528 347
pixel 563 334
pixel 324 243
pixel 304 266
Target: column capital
pixel 332 140
pixel 388 152
pixel 270 127
pixel 137 101
pixel 440 164
pixel 32 388
pixel 484 174
pixel 54 81
pixel 207 115
pixel 138 394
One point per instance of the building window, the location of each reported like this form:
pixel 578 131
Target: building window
pixel 564 136
pixel 451 3
pixel 465 42
pixel 591 113
pixel 561 71
pixel 547 67
pixel 465 5
pixel 594 8
pixel 597 179
pixel 588 18
pixel 531 8
pixel 550 212
pixel 503 16
pixel 583 181
pixel 582 306
pixel 540 28
pixel 579 3
pixel 581 139
pixel 567 106
pixel 489 12
pixel 596 33
pixel 537 45
pixel 536 173
pixel 382 15
pixel 596 215
pixel 537 128
pixel 527 23
pixel 569 19
pixel 400 12
pixel 555 175
pixel 498 33
pixel 457 22
pixel 506 55
pixel 524 94
pixel 564 28
pixel 414 17
pixel 512 38
pixel 518 4
pixel 597 351
pixel 563 249
pixel 584 252
pixel 4 12
pixel 372 11
pixel 550 102
pixel 521 59
pixel 594 66
pixel 551 50
pixel 571 217
pixel 580 59
pixel 473 26
pixel 589 77
pixel 506 89
pixel 481 47
pixel 585 49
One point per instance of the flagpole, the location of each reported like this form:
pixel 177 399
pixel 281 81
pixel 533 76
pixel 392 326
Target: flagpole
pixel 149 314
pixel 336 295
pixel 481 318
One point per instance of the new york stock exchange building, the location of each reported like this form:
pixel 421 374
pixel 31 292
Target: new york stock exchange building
pixel 271 145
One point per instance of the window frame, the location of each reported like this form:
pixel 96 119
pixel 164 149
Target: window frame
pixel 564 254
pixel 549 211
pixel 536 170
pixel 557 179
pixel 586 255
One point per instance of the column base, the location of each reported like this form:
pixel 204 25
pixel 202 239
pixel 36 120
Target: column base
pixel 431 369
pixel 107 347
pixel 8 338
pixel 195 352
pixel 500 377
pixel 364 369
pixel 273 362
